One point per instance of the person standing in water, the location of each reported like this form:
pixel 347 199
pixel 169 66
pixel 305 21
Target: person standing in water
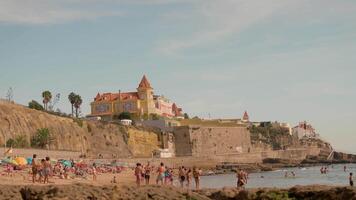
pixel 188 177
pixel 241 182
pixel 196 175
pixel 351 180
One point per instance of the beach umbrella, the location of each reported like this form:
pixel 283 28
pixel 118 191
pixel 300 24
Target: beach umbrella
pixel 29 161
pixel 67 163
pixel 54 161
pixel 9 161
pixel 21 161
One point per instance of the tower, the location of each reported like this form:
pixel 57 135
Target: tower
pixel 145 93
pixel 245 118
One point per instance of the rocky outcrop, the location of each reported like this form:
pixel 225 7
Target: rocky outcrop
pixel 90 138
pixel 82 191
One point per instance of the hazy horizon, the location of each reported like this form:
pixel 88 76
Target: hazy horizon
pixel 281 60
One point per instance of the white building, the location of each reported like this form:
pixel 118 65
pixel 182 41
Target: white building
pixel 304 129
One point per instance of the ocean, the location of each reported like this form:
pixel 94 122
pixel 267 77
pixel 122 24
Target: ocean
pixel 303 176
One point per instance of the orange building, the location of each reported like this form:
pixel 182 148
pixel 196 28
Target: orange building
pixel 141 103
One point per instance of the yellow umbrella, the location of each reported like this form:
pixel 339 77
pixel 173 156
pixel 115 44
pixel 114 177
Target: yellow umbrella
pixel 21 161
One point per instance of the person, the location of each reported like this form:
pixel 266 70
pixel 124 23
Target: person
pixel 160 175
pixel 196 175
pixel 351 181
pixel 41 170
pixel 46 170
pixel 148 169
pixel 293 174
pixel 114 180
pixel 94 172
pixel 286 174
pixel 344 168
pixel 138 174
pixel 34 168
pixel 241 182
pixel 181 174
pixel 188 177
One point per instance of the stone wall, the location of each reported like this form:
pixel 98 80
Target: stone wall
pixel 211 141
pixel 142 143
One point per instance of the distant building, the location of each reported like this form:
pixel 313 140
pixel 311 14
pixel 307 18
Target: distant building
pixel 304 129
pixel 140 103
pixel 246 118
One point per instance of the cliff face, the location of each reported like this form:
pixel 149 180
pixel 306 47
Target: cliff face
pixel 90 138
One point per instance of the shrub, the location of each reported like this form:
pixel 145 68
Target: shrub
pixel 123 115
pixel 78 121
pixel 20 141
pixel 42 138
pixel 35 105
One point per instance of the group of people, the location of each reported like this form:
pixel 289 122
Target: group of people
pixel 42 169
pixel 165 175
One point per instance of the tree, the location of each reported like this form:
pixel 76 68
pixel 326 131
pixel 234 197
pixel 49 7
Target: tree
pixel 77 103
pixel 35 105
pixel 124 115
pixel 47 96
pixel 186 116
pixel 71 98
pixel 42 138
pixel 20 141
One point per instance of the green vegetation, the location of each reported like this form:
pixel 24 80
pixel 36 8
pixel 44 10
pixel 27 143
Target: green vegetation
pixel 77 103
pixel 270 134
pixel 42 138
pixel 35 105
pixel 123 115
pixel 20 141
pixel 47 96
pixel 186 116
pixel 78 121
pixel 72 98
pixel 154 116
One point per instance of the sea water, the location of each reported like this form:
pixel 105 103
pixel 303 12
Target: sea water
pixel 303 176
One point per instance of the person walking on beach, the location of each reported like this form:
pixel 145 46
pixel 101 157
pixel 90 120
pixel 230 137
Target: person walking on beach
pixel 351 180
pixel 344 168
pixel 160 175
pixel 196 175
pixel 138 174
pixel 181 174
pixel 147 173
pixel 34 168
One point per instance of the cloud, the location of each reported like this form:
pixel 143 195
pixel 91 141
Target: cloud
pixel 49 12
pixel 219 20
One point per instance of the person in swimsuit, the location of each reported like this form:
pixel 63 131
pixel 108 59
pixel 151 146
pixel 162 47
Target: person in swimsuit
pixel 160 175
pixel 34 168
pixel 181 174
pixel 196 175
pixel 188 176
pixel 46 169
pixel 351 180
pixel 94 172
pixel 148 169
pixel 138 174
pixel 241 182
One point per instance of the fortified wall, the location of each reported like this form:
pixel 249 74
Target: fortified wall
pixel 198 141
pixel 142 143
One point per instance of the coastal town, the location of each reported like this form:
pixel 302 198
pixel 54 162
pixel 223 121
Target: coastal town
pixel 177 100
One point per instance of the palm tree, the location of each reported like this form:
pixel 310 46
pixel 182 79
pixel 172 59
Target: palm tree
pixel 77 103
pixel 71 98
pixel 47 96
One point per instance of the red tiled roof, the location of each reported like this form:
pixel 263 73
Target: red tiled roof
pixel 144 83
pixel 115 96
pixel 245 117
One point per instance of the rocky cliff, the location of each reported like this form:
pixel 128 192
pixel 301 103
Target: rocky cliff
pixel 90 138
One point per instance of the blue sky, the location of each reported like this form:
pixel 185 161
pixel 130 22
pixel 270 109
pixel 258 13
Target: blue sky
pixel 285 60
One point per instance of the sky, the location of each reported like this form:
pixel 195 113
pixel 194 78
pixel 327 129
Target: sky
pixel 281 60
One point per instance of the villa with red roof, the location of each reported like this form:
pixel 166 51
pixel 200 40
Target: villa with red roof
pixel 141 103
